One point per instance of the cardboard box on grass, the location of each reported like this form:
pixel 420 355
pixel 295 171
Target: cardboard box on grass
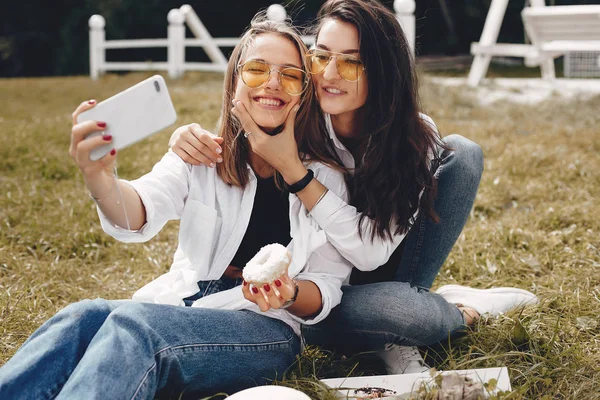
pixel 404 384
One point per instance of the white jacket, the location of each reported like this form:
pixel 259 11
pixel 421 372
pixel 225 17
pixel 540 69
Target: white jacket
pixel 214 217
pixel 340 220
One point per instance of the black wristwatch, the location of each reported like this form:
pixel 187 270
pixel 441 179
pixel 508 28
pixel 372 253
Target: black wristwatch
pixel 294 297
pixel 302 183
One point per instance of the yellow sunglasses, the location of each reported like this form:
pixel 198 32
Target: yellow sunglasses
pixel 349 67
pixel 256 73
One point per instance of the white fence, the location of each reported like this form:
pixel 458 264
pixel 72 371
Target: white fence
pixel 176 42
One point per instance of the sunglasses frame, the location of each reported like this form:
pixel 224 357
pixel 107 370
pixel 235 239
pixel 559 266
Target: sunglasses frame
pixel 305 83
pixel 333 54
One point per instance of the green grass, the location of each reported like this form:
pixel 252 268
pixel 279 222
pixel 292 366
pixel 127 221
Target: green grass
pixel 495 70
pixel 535 225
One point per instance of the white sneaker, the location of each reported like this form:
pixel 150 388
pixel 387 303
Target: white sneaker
pixel 402 359
pixel 493 301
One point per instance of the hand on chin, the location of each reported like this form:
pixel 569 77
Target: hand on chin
pixel 269 127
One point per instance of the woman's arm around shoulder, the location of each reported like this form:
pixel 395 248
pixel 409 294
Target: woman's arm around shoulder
pixel 340 220
pixel 325 269
pixel 326 199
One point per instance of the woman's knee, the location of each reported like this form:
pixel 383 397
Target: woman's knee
pixel 148 321
pixel 86 311
pixel 132 314
pixel 393 306
pixel 466 155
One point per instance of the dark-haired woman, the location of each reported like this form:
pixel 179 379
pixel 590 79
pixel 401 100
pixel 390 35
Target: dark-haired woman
pixel 410 191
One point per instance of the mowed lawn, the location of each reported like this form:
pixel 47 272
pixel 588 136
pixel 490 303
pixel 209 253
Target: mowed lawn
pixel 535 225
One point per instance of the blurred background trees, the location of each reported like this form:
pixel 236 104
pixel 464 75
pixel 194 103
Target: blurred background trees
pixel 50 37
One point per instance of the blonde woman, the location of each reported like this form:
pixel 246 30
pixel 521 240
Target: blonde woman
pixel 198 329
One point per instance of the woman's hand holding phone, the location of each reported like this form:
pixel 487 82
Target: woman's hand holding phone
pixel 123 207
pixel 98 175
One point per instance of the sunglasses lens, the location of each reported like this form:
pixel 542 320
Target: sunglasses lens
pixel 255 73
pixel 293 81
pixel 317 61
pixel 349 68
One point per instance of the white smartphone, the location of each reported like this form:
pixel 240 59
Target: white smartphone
pixel 132 115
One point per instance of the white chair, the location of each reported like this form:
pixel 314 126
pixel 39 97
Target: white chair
pixel 557 30
pixel 552 30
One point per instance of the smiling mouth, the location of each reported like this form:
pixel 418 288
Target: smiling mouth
pixel 333 91
pixel 269 102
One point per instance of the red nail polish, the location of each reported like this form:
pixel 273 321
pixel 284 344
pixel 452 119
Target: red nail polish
pixel 277 282
pixel 254 290
pixel 113 152
pixel 91 101
pixel 267 288
pixel 101 124
pixel 244 283
pixel 107 137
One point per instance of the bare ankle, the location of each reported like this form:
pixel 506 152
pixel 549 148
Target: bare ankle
pixel 470 315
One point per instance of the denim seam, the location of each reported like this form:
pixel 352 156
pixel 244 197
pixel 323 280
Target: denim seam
pixel 418 245
pixel 143 380
pixel 377 332
pixel 393 335
pixel 421 227
pixel 396 336
pixel 245 345
pixel 173 348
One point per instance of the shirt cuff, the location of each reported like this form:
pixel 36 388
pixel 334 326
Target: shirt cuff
pixel 326 306
pixel 326 208
pixel 124 234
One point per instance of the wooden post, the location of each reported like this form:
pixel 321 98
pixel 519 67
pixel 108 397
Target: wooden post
pixel 405 12
pixel 97 38
pixel 199 30
pixel 489 37
pixel 176 47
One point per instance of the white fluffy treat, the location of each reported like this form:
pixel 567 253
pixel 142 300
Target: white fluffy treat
pixel 268 264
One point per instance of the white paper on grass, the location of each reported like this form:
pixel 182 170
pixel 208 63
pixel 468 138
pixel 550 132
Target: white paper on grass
pixel 407 383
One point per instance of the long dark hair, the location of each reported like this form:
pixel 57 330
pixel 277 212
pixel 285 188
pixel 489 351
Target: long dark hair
pixel 395 168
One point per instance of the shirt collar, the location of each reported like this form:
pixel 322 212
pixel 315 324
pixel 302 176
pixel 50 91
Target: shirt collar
pixel 332 134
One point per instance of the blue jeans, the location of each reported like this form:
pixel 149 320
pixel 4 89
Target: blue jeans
pixel 403 311
pixel 127 350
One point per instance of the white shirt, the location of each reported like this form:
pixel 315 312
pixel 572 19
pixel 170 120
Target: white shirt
pixel 214 217
pixel 340 220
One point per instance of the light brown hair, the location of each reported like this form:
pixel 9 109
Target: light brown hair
pixel 310 131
